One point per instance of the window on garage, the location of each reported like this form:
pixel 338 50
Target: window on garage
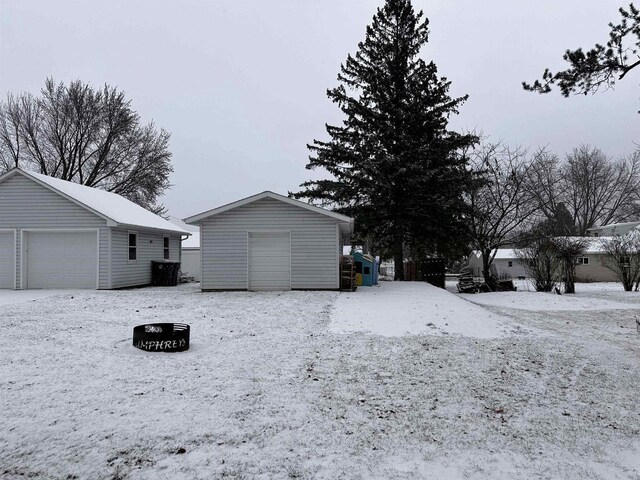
pixel 166 251
pixel 583 260
pixel 133 246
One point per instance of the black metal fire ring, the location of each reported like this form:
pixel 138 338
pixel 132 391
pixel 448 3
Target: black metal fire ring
pixel 162 337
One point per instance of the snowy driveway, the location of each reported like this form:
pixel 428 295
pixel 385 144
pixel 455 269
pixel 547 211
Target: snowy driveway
pixel 401 308
pixel 268 391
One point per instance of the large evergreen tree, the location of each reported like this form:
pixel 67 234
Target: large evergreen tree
pixel 396 167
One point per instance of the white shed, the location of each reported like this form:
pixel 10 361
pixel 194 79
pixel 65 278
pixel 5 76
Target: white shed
pixel 59 234
pixel 270 242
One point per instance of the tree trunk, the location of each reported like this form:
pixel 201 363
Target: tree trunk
pixel 486 274
pixel 398 258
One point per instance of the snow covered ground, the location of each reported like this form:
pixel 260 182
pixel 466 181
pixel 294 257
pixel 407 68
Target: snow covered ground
pixel 397 309
pixel 19 296
pixel 270 390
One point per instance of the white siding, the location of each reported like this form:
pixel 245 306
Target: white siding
pixel 60 259
pixel 26 204
pixel 270 261
pixel 7 259
pixel 125 273
pixel 191 263
pixel 314 245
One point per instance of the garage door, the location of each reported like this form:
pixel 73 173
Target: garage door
pixel 270 261
pixel 61 259
pixel 7 259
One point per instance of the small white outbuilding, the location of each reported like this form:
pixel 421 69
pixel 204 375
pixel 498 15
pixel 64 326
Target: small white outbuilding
pixel 270 242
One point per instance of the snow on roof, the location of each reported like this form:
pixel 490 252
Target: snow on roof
pixel 268 194
pixel 501 254
pixel 106 204
pixel 593 247
pixel 614 225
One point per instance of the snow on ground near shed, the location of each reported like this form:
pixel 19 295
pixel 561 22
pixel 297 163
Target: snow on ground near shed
pixel 410 308
pixel 18 296
pixel 268 392
pixel 588 296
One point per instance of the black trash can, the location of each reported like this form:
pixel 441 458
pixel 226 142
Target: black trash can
pixel 164 274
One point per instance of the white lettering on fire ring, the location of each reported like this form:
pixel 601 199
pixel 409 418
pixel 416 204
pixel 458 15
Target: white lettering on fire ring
pixel 161 344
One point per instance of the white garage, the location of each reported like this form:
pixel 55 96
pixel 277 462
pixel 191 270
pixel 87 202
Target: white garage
pixel 269 260
pixel 57 234
pixel 7 259
pixel 60 259
pixel 270 242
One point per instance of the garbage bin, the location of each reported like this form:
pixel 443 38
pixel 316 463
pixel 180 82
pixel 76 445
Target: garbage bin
pixel 164 274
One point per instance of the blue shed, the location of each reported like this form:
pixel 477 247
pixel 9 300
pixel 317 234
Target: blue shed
pixel 366 274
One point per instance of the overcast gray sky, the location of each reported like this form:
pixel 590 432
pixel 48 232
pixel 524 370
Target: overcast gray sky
pixel 241 84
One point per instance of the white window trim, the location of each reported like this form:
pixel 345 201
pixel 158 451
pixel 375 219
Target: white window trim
pixel 167 248
pixel 132 232
pixel 583 260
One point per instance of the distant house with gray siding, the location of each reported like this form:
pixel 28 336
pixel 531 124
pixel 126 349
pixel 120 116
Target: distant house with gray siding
pixel 590 267
pixel 270 242
pixel 505 262
pixel 59 234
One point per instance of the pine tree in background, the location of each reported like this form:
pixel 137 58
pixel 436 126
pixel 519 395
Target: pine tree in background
pixel 396 168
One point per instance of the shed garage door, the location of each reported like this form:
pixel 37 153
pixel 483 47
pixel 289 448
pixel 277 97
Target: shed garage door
pixel 270 261
pixel 7 259
pixel 61 259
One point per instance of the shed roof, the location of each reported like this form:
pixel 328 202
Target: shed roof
pixel 194 219
pixel 114 208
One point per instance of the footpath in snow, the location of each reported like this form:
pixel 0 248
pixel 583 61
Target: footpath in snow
pixel 410 308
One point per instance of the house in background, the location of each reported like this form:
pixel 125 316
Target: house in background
pixel 59 234
pixel 613 229
pixel 505 262
pixel 270 242
pixel 590 268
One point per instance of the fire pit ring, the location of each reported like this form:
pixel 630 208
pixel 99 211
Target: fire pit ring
pixel 162 337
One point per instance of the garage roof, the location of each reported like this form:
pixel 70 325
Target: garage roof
pixel 268 194
pixel 117 210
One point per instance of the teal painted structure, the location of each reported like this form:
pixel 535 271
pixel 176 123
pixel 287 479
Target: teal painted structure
pixel 366 269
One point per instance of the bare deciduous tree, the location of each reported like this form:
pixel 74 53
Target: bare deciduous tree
pixel 594 189
pixel 499 202
pixel 537 257
pixel 567 250
pixel 87 136
pixel 622 257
